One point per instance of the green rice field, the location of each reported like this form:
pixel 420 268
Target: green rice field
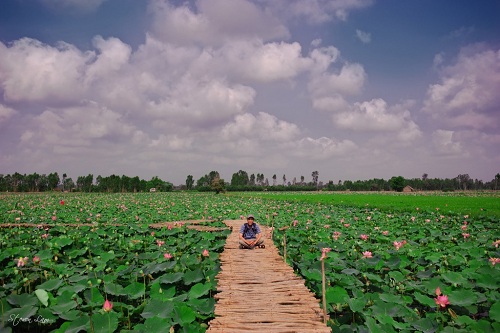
pixel 477 204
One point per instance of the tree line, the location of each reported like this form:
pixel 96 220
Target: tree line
pixel 240 181
pixel 52 182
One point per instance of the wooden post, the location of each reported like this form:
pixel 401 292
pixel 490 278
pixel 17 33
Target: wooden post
pixel 323 288
pixel 284 240
pixel 284 245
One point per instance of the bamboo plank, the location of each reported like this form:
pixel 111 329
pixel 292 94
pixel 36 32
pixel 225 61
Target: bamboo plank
pixel 258 292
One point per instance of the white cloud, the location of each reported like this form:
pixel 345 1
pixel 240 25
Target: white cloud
pixel 316 11
pixel 348 81
pixel 36 72
pixel 215 22
pixel 262 62
pixel 467 94
pixel 322 148
pixel 113 54
pixel 86 125
pixel 263 127
pixel 364 37
pixel 202 102
pixel 187 100
pixel 377 116
pixel 444 143
pixel 6 113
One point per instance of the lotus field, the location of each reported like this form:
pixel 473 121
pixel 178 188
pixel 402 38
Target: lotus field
pixel 92 263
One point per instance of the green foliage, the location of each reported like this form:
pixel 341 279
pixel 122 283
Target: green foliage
pixel 477 204
pixel 397 183
pixel 118 258
pixel 240 179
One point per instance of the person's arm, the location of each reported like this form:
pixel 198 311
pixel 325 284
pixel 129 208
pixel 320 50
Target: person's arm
pixel 258 235
pixel 243 239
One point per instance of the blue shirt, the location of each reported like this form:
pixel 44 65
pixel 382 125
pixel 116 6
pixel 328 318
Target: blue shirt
pixel 250 230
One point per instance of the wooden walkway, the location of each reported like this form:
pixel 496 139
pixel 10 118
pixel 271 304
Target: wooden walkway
pixel 259 292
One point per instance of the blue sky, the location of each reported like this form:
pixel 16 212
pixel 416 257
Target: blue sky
pixel 355 89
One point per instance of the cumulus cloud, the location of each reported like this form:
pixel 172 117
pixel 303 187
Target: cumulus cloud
pixel 36 72
pixel 262 127
pixel 85 125
pixel 348 81
pixel 467 94
pixel 322 148
pixel 263 62
pixel 316 11
pixel 6 113
pixel 214 22
pixel 445 144
pixel 202 102
pixel 188 98
pixel 377 116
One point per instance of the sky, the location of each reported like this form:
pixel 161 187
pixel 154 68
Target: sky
pixel 352 89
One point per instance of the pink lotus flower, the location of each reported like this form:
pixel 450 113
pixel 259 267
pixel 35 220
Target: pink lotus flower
pixel 496 243
pixel 367 254
pixel 295 223
pixel 385 233
pixel 152 233
pixel 364 237
pixel 326 226
pixel 54 218
pixel 413 218
pixel 160 242
pixel 336 235
pixel 45 236
pixel 205 253
pixel 167 256
pixel 441 300
pixel 399 245
pixel 324 251
pixel 22 261
pixel 465 235
pixel 347 225
pixel 494 261
pixel 36 260
pixel 464 227
pixel 108 306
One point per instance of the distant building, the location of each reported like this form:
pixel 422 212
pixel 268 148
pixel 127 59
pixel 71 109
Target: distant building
pixel 408 188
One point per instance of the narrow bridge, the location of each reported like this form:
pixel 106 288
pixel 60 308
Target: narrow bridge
pixel 259 292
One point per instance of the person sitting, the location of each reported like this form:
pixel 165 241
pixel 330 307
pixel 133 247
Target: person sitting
pixel 250 234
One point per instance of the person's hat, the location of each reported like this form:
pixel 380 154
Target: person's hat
pixel 250 217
